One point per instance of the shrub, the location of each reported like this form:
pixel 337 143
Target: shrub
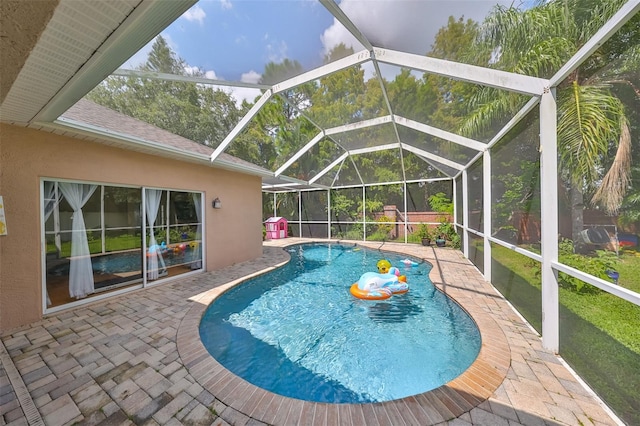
pixel 595 265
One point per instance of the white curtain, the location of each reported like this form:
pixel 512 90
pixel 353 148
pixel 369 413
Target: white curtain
pixel 152 204
pixel 197 252
pixel 80 269
pixel 51 199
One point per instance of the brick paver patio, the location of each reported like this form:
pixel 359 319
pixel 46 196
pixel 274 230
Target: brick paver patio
pixel 137 359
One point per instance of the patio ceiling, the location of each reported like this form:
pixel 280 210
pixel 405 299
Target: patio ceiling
pixel 55 53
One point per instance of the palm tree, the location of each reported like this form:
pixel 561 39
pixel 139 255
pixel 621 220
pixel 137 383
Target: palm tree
pixel 591 120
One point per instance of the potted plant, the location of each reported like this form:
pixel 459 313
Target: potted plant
pixel 424 234
pixel 447 232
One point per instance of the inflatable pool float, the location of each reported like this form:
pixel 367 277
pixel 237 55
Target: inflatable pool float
pixel 380 294
pixel 375 286
pixel 408 262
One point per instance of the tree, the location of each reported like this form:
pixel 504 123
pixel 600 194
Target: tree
pixel 591 119
pixel 197 112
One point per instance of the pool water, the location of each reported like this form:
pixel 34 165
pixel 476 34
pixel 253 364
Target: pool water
pixel 298 332
pixel 115 263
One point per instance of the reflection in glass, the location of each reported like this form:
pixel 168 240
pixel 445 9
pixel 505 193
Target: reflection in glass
pixel 114 245
pixel 119 234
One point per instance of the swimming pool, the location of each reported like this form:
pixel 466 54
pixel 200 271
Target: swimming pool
pixel 270 331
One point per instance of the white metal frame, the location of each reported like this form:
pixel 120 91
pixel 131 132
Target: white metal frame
pixel 542 96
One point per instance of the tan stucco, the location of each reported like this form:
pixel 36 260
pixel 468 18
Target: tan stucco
pixel 233 233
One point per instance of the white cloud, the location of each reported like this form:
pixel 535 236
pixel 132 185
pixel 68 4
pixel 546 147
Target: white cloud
pixel 276 51
pixel 238 93
pixel 243 94
pixel 211 74
pixel 195 14
pixel 226 4
pixel 406 25
pixel 250 77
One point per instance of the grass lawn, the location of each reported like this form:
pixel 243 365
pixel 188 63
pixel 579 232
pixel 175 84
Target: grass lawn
pixel 616 317
pixel 599 332
pixel 122 242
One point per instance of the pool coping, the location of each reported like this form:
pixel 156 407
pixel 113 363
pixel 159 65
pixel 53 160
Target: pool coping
pixel 451 400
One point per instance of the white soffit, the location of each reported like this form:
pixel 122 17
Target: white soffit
pixel 73 34
pixel 82 44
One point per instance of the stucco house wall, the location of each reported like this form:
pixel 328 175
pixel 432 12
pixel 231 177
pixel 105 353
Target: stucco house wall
pixel 232 234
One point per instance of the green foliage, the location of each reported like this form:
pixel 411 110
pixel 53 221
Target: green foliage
pixel 447 231
pixel 350 232
pixel 440 203
pixel 516 192
pixel 592 122
pixel 423 231
pixel 196 112
pixel 385 225
pixel 596 266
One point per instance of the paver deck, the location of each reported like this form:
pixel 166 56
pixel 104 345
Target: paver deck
pixel 138 359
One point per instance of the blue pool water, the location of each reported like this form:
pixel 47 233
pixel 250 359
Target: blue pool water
pixel 298 332
pixel 131 261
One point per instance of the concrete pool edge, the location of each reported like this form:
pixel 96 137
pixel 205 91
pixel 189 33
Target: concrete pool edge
pixel 449 401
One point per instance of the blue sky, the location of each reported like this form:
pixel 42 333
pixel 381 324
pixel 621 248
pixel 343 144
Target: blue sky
pixel 244 35
pixel 233 39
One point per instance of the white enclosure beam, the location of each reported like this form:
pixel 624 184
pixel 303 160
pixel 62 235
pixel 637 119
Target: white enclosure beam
pixel 355 167
pixel 485 76
pixel 329 167
pixel 242 124
pixel 442 134
pixel 359 125
pixel 364 214
pixel 337 13
pixel 374 149
pixel 335 66
pixel 428 180
pixel 151 75
pixel 454 191
pixel 300 214
pixel 329 213
pixel 526 109
pixel 335 178
pixel 275 211
pixel 465 212
pixel 549 221
pixel 620 18
pixel 507 127
pixel 299 154
pixel 486 210
pixel 619 291
pixel 406 226
pixel 431 156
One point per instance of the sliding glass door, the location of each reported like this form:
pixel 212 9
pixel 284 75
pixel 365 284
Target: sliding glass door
pixel 94 238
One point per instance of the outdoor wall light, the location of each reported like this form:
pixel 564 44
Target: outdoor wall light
pixel 216 204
